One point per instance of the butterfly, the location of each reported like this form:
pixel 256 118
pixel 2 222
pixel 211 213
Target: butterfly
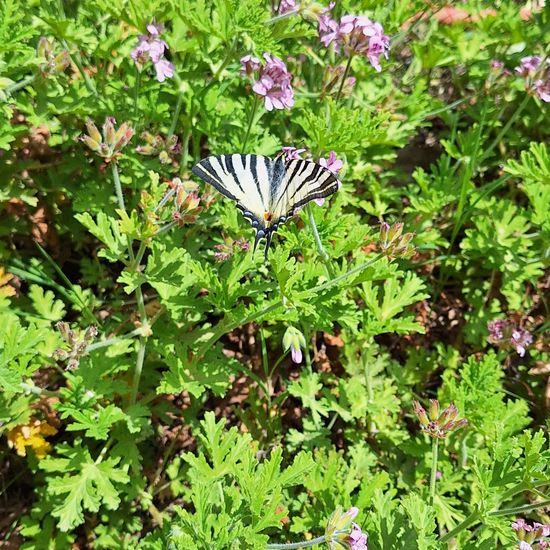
pixel 267 191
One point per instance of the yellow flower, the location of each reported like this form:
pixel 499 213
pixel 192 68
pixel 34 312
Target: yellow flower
pixel 5 289
pixel 31 435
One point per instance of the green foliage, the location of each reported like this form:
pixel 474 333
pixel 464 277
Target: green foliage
pixel 131 305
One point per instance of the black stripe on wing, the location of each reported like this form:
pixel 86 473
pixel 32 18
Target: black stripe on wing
pixel 321 183
pixel 207 173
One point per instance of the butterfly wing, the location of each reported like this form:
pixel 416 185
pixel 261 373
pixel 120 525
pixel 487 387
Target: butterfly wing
pixel 303 182
pixel 242 178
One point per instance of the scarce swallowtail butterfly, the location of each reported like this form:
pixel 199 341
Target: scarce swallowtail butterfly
pixel 267 191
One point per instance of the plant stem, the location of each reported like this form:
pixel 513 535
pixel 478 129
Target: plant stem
pixel 322 252
pixel 136 91
pixel 519 510
pixel 137 371
pixel 18 85
pixel 343 277
pixel 344 76
pixel 176 114
pixel 250 123
pixel 470 520
pixel 280 17
pixel 506 127
pixel 435 447
pixel 118 186
pixel 291 545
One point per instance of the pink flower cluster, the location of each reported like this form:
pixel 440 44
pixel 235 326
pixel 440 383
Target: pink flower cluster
pixel 505 333
pixel 536 75
pixel 272 81
pixel 356 34
pixel 342 532
pixel 228 248
pixel 531 537
pixel 151 48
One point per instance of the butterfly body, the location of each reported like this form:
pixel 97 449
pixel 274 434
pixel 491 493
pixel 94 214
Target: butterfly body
pixel 267 191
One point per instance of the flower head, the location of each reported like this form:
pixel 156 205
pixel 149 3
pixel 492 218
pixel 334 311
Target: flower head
pixel 292 153
pixel 33 435
pixel 110 145
pixel 342 533
pixel 151 47
pixel 393 243
pixel 159 146
pixel 534 537
pixel 294 340
pixel 76 344
pixel 528 66
pixel 229 247
pixel 51 62
pixel 273 81
pixel 286 6
pixel 507 334
pixel 437 423
pixel 355 35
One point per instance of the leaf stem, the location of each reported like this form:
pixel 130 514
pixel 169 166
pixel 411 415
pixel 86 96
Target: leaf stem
pixel 322 252
pixel 433 476
pixel 506 127
pixel 520 509
pixel 470 520
pixel 292 545
pixel 18 85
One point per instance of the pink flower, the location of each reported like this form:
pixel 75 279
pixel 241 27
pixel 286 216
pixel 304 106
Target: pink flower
pixel 528 65
pixel 506 334
pixel 291 153
pixel 249 64
pixel 151 48
pixel 164 70
pixel 524 545
pixel 294 340
pixel 356 34
pixel 286 6
pixel 520 339
pixel 273 82
pixel 332 163
pixel 543 89
pixel 357 539
pixel 156 49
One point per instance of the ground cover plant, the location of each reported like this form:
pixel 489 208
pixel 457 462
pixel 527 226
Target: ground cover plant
pixel 380 380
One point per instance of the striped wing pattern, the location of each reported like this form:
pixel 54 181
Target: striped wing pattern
pixel 267 191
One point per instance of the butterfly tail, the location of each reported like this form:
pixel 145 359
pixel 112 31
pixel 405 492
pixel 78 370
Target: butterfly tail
pixel 259 236
pixel 268 243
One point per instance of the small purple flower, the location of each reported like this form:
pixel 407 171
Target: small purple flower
pixel 151 48
pixel 332 163
pixel 273 82
pixel 528 65
pixel 250 64
pixel 357 539
pixel 286 6
pixel 294 340
pixel 356 34
pixel 505 333
pixel 291 153
pixel 497 65
pixel 543 89
pixel 520 339
pixel 164 70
